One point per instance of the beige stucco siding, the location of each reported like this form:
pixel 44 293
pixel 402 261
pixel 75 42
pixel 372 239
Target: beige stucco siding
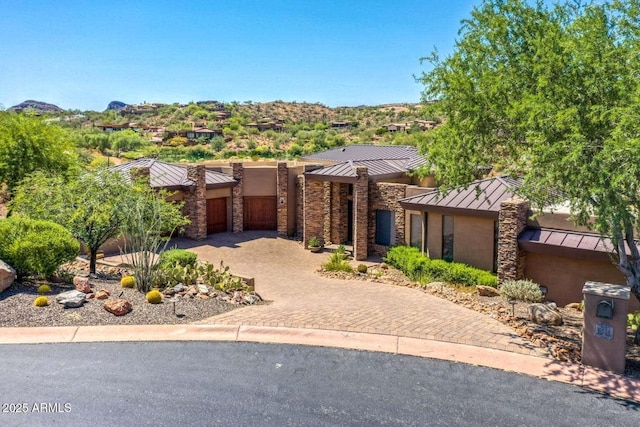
pixel 473 241
pixel 218 192
pixel 260 181
pixel 565 277
pixel 434 235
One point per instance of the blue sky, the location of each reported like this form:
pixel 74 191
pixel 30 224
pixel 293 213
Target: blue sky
pixel 84 54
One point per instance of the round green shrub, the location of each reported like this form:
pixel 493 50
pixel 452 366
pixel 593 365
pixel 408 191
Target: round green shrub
pixel 362 268
pixel 41 301
pixel 34 247
pixel 44 289
pixel 172 257
pixel 128 282
pixel 154 296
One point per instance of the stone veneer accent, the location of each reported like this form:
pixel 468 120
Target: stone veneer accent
pixel 313 210
pixel 195 203
pixel 237 210
pixel 326 223
pixel 385 196
pixel 283 199
pixel 300 206
pixel 360 213
pixel 512 220
pixel 339 216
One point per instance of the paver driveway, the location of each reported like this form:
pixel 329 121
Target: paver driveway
pixel 285 274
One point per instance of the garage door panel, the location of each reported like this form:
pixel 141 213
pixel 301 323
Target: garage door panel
pixel 260 213
pixel 216 215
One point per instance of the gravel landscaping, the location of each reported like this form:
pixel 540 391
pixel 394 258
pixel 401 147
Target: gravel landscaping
pixel 17 308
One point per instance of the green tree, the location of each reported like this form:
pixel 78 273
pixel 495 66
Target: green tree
pixel 90 206
pixel 552 93
pixel 126 140
pixel 28 144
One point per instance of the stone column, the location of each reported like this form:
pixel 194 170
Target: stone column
pixel 326 197
pixel 300 206
pixel 237 203
pixel 283 200
pixel 339 205
pixel 313 210
pixel 195 203
pixel 361 213
pixel 512 220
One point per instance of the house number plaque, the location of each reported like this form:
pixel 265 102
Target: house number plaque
pixel 604 330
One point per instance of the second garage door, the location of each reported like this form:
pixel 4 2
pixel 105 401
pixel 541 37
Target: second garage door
pixel 260 213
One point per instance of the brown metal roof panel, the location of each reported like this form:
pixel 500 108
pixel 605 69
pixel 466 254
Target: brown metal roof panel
pixel 573 240
pixel 589 242
pixel 556 238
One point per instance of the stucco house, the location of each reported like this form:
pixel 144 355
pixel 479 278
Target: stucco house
pixel 486 225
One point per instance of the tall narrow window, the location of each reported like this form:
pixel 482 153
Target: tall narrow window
pixel 384 227
pixel 417 231
pixel 447 237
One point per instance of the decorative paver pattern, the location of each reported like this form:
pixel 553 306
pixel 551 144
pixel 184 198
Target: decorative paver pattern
pixel 285 274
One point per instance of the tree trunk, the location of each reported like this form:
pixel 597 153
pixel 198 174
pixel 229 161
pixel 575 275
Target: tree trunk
pixel 630 268
pixel 93 254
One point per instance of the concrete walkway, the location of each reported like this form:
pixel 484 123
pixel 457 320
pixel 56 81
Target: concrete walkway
pixel 285 273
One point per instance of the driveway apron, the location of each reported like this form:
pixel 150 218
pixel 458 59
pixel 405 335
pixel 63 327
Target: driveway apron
pixel 286 276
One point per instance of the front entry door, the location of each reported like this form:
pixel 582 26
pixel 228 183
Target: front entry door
pixel 216 215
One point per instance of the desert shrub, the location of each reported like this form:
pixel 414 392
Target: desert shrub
pixel 633 320
pixel 35 247
pixel 418 267
pixel 41 301
pixel 314 242
pixel 521 290
pixel 128 282
pixel 337 263
pixel 362 268
pixel 44 289
pixel 154 296
pixel 173 257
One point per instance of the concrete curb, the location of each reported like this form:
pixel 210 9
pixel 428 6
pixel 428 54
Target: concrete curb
pixel 579 375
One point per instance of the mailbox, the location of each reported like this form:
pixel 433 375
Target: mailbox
pixel 604 309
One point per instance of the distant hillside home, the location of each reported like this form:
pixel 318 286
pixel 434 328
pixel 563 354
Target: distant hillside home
pixel 194 135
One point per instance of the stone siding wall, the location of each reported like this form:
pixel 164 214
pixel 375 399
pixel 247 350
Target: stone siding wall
pixel 195 203
pixel 283 199
pixel 339 214
pixel 385 196
pixel 237 210
pixel 313 210
pixel 300 206
pixel 361 214
pixel 326 202
pixel 512 220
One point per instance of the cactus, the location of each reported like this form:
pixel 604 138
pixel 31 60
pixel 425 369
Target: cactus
pixel 41 301
pixel 128 282
pixel 362 268
pixel 154 296
pixel 44 289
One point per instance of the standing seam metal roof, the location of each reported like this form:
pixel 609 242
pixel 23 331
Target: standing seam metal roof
pixel 358 152
pixel 568 239
pixel 374 168
pixel 167 175
pixel 481 195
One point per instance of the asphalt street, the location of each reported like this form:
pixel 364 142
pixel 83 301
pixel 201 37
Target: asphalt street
pixel 250 384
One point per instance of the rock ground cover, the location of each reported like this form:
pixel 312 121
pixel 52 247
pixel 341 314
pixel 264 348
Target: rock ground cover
pixel 17 303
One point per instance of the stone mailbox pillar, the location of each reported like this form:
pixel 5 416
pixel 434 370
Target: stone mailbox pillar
pixel 604 333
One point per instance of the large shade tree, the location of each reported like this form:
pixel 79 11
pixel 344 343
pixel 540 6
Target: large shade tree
pixel 550 93
pixel 28 143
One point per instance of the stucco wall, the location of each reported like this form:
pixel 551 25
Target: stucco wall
pixel 260 181
pixel 565 277
pixel 434 235
pixel 218 192
pixel 473 241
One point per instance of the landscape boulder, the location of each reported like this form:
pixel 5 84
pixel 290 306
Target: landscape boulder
pixel 543 314
pixel 118 307
pixel 82 284
pixel 7 275
pixel 71 299
pixel 487 291
pixel 102 294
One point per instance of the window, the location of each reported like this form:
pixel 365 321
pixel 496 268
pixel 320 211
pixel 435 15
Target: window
pixel 384 227
pixel 447 237
pixel 418 232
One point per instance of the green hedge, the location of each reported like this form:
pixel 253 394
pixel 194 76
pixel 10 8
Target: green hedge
pixel 423 269
pixel 35 247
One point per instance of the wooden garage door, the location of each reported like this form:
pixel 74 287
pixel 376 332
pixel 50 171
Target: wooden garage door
pixel 216 215
pixel 260 213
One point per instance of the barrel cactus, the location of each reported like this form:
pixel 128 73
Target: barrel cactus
pixel 128 282
pixel 41 301
pixel 154 296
